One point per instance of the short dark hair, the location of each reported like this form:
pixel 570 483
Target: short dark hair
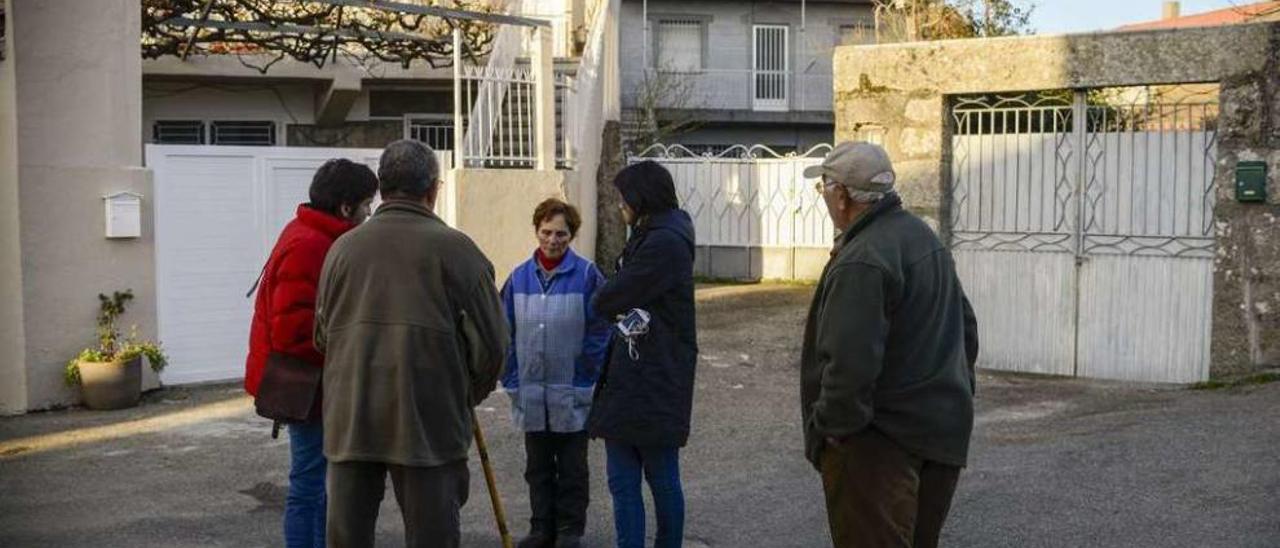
pixel 407 169
pixel 341 182
pixel 647 187
pixel 551 207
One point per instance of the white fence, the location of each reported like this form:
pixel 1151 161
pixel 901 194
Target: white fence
pixel 218 212
pixel 501 116
pixel 748 196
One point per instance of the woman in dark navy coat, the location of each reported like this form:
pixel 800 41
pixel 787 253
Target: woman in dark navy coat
pixel 645 397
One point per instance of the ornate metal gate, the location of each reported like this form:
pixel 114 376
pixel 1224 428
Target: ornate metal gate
pixel 1082 225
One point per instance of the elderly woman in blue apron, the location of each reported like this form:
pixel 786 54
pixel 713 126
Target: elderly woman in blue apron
pixel 558 347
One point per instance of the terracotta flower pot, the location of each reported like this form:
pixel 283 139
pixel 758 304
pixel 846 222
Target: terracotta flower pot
pixel 111 385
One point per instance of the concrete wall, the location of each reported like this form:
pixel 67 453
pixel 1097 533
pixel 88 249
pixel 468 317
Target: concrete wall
pixel 495 207
pixel 282 103
pixel 760 263
pixel 79 111
pixel 13 371
pixel 904 88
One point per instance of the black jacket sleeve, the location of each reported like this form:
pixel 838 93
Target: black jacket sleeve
pixel 970 339
pixel 647 274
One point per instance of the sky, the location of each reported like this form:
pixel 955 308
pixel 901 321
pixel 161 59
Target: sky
pixel 1059 16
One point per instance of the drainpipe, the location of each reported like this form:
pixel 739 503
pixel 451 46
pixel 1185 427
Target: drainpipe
pixel 459 155
pixel 804 43
pixel 644 55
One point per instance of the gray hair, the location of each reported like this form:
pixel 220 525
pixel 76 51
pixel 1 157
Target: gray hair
pixel 407 168
pixel 864 196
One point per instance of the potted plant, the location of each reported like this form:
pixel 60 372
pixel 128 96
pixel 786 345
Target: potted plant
pixel 110 375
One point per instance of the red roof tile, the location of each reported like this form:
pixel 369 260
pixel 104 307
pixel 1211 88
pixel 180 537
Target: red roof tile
pixel 1225 16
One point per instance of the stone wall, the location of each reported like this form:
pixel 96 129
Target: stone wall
pixel 904 89
pixel 1246 324
pixel 371 134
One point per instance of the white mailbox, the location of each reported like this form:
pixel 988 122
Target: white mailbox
pixel 124 215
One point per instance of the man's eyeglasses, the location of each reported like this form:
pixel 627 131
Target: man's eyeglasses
pixel 821 185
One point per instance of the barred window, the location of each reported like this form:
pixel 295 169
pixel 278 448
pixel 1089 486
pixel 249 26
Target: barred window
pixel 248 133
pixel 178 132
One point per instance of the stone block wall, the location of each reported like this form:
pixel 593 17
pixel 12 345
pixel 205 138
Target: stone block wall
pixel 905 89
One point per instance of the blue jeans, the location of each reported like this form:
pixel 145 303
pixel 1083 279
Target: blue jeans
pixel 305 505
pixel 661 468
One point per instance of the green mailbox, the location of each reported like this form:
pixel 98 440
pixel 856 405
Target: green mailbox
pixel 1251 182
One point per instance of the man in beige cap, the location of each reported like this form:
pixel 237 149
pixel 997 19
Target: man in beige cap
pixel 887 376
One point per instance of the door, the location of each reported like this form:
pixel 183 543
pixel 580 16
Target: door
pixel 770 65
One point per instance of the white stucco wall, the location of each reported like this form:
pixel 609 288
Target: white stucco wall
pixel 495 208
pixel 79 112
pixel 13 371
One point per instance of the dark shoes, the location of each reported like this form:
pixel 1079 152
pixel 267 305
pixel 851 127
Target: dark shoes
pixel 566 540
pixel 537 539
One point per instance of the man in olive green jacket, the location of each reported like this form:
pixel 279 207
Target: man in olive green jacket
pixel 887 376
pixel 412 328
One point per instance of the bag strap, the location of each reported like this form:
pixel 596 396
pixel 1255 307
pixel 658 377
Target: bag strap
pixel 258 280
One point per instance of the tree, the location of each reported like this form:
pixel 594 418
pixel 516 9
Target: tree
pixel 310 32
pixel 663 103
pixel 913 20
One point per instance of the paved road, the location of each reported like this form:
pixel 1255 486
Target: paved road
pixel 1055 462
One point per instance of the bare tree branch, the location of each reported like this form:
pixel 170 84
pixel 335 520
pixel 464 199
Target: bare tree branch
pixel 308 32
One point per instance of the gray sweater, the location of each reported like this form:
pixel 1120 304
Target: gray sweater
pixel 890 341
pixel 413 333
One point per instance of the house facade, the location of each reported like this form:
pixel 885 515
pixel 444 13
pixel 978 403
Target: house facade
pixel 207 147
pixel 220 100
pixel 720 73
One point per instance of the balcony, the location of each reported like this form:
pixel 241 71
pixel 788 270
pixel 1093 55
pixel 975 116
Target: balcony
pixel 736 90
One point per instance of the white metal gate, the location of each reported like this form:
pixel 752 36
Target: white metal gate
pixel 1082 225
pixel 770 64
pixel 748 196
pixel 218 212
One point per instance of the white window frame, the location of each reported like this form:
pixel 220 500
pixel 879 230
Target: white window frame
pixel 698 21
pixel 766 81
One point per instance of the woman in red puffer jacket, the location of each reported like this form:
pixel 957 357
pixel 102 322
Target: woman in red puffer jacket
pixel 340 193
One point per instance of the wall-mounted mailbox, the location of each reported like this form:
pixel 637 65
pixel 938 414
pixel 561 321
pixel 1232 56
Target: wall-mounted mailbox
pixel 124 215
pixel 1251 182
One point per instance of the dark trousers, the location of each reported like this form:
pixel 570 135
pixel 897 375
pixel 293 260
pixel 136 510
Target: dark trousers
pixel 429 497
pixel 556 470
pixel 879 495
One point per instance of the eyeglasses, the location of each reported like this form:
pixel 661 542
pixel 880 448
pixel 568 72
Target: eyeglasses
pixel 821 185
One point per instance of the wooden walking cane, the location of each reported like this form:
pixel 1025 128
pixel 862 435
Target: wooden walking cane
pixel 498 514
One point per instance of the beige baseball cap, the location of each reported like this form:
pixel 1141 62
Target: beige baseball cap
pixel 858 165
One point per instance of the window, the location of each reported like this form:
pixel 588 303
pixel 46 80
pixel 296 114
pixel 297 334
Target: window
pixel 395 103
pixel 178 132
pixel 244 133
pixel 679 45
pixel 856 34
